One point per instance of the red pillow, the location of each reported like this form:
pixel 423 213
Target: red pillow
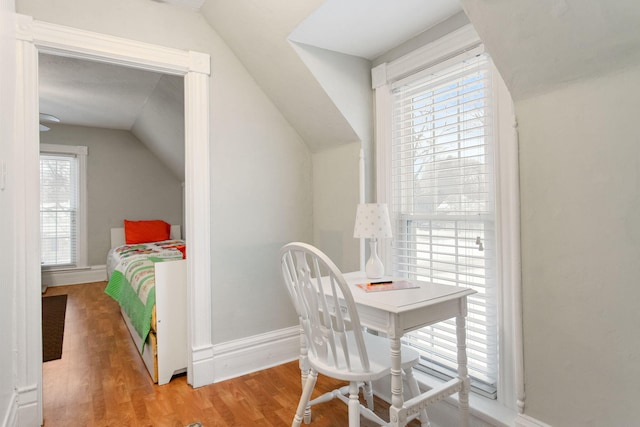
pixel 146 231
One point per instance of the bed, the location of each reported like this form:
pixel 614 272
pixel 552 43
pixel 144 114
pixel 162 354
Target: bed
pixel 148 279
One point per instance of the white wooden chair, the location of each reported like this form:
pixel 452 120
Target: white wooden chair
pixel 332 340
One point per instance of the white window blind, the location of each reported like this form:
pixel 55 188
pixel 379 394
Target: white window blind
pixel 443 206
pixel 59 209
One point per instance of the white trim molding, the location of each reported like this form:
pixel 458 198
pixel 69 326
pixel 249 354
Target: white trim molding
pixel 508 230
pixel 11 413
pixel 74 276
pixel 527 421
pixel 28 404
pixel 27 235
pixel 458 41
pixel 58 39
pixel 240 357
pixel 80 152
pixel 198 227
pixel 33 37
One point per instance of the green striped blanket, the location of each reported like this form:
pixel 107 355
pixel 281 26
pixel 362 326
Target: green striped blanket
pixel 132 284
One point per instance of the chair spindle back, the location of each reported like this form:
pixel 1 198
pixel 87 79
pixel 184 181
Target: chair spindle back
pixel 325 307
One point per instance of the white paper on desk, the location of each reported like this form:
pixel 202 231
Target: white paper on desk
pixel 395 285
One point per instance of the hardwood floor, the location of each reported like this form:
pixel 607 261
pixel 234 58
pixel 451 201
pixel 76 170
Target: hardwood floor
pixel 101 381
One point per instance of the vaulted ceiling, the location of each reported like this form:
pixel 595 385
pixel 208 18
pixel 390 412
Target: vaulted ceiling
pixel 94 94
pixel 263 35
pixel 268 36
pixel 539 45
pixel 536 45
pixel 85 93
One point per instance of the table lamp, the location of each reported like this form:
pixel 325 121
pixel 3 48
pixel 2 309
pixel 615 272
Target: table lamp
pixel 372 222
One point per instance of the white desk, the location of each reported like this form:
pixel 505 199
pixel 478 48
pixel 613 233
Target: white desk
pixel 399 311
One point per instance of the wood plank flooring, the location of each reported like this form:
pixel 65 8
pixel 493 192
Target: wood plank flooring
pixel 101 381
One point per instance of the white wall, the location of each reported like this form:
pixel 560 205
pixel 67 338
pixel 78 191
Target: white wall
pixel 124 181
pixel 336 179
pixel 335 197
pixel 261 169
pixel 580 194
pixel 8 270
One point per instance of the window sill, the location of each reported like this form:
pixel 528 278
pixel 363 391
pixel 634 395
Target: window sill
pixel 63 269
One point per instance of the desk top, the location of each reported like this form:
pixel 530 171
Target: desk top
pixel 402 300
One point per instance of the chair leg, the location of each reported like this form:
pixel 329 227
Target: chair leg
pixel 304 369
pixel 415 391
pixel 354 404
pixel 367 391
pixel 304 409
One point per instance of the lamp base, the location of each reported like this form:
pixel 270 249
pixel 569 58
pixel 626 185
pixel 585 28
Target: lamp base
pixel 374 267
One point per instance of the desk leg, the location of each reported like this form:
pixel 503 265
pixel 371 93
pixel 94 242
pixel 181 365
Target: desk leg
pixel 463 395
pixel 397 398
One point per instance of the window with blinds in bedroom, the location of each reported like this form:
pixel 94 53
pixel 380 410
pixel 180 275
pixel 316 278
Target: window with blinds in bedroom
pixel 62 201
pixel 447 166
pixel 443 204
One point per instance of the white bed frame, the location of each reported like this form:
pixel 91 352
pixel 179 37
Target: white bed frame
pixel 165 352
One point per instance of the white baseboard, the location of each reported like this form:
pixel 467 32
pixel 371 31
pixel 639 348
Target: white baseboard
pixel 10 417
pixel 203 366
pixel 95 273
pixel 247 355
pixel 28 410
pixel 527 421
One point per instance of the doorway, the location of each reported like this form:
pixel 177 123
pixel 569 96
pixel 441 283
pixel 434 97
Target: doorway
pixel 35 37
pixel 131 122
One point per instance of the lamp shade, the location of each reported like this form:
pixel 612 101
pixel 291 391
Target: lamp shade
pixel 372 221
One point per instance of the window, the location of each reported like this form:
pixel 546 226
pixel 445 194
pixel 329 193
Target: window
pixel 446 166
pixel 62 200
pixel 443 206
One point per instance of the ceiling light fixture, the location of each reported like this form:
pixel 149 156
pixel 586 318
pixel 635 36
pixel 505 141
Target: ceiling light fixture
pixel 47 118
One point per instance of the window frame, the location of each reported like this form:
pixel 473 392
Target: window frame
pixel 80 153
pixel 451 48
pixel 433 109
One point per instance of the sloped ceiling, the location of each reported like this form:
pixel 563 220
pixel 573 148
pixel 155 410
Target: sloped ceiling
pixel 257 33
pixel 269 37
pixel 369 28
pixel 261 32
pixel 94 94
pixel 86 93
pixel 538 45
